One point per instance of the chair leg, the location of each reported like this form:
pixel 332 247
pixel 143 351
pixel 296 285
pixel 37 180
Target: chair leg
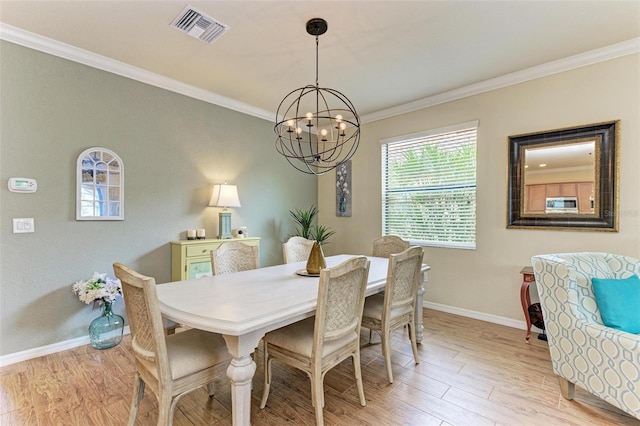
pixel 165 409
pixel 138 393
pixel 414 343
pixel 267 376
pixel 386 352
pixel 567 388
pixel 370 333
pixel 317 397
pixel 210 388
pixel 358 373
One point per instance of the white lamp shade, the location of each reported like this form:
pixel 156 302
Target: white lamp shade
pixel 225 196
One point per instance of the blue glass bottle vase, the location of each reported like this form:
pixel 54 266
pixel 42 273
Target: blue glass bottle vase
pixel 342 204
pixel 106 331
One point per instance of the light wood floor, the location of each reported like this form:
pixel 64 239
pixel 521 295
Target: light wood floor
pixel 472 373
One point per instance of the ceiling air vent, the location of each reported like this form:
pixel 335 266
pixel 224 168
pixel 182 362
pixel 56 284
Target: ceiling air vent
pixel 198 25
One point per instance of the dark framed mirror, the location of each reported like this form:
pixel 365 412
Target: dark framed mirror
pixel 565 179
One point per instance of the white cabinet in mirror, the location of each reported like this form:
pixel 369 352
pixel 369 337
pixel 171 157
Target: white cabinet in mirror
pixel 99 185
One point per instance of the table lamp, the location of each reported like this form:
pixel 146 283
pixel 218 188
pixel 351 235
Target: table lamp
pixel 224 196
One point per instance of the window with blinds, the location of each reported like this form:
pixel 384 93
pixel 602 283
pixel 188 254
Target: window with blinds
pixel 429 187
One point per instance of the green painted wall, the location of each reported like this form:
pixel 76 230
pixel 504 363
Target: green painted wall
pixel 174 149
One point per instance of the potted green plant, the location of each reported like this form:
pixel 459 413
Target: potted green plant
pixel 305 227
pixel 318 233
pixel 321 234
pixel 304 221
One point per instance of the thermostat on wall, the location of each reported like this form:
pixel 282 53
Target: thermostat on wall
pixel 22 185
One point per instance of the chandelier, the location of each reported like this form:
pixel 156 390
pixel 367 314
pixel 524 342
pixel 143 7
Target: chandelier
pixel 317 128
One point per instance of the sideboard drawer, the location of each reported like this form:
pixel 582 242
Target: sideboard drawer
pixel 191 259
pixel 201 249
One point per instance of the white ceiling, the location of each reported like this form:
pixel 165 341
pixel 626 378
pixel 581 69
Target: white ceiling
pixel 380 54
pixel 566 155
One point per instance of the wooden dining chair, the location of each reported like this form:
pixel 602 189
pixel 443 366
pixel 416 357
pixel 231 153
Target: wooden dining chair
pixel 389 244
pixel 395 308
pixel 170 365
pixel 234 256
pixel 317 344
pixel 296 249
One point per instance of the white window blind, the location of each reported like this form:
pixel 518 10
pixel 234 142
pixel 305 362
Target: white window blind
pixel 429 187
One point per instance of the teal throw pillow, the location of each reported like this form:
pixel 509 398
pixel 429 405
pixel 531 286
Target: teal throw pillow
pixel 619 302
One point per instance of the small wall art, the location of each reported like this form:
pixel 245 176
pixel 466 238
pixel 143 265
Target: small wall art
pixel 99 185
pixel 343 189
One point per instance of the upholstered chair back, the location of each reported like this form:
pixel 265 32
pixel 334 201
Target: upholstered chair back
pixel 578 269
pixel 296 249
pixel 234 257
pixel 389 244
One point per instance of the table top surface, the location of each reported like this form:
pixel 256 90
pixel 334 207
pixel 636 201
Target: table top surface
pixel 264 298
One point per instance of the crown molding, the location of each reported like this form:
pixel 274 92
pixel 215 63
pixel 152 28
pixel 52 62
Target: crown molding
pixel 85 57
pixel 561 65
pixel 62 50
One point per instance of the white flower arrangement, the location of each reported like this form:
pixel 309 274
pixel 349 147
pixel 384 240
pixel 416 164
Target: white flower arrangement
pixel 98 288
pixel 341 183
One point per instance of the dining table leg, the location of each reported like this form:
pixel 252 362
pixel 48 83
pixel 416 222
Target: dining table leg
pixel 420 306
pixel 240 373
pixel 419 312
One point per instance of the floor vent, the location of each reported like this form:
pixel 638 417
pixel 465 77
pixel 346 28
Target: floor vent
pixel 199 25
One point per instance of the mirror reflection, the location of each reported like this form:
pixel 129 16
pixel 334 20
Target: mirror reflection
pixel 560 178
pixel 99 185
pixel 564 179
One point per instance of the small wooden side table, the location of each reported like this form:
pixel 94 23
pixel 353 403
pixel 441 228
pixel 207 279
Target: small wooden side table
pixel 525 298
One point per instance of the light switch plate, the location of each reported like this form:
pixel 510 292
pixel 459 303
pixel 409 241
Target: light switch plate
pixel 23 224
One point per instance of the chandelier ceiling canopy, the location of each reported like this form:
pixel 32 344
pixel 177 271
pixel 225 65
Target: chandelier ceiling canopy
pixel 317 128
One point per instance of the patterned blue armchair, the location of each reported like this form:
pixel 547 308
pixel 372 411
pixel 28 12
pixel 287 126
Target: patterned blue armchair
pixel 602 360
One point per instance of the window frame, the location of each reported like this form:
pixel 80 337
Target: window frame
pixel 416 137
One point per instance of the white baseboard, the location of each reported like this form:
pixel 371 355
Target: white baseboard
pixel 46 350
pixel 495 319
pixel 80 341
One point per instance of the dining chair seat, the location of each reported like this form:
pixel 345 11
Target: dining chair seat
pixel 374 309
pixel 192 351
pixel 298 339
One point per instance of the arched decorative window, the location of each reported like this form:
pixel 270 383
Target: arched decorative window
pixel 100 185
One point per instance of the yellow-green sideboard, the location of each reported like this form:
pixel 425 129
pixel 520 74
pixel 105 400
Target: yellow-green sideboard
pixel 192 258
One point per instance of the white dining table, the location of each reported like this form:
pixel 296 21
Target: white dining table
pixel 244 306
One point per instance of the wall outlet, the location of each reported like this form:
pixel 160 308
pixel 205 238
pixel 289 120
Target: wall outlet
pixel 23 224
